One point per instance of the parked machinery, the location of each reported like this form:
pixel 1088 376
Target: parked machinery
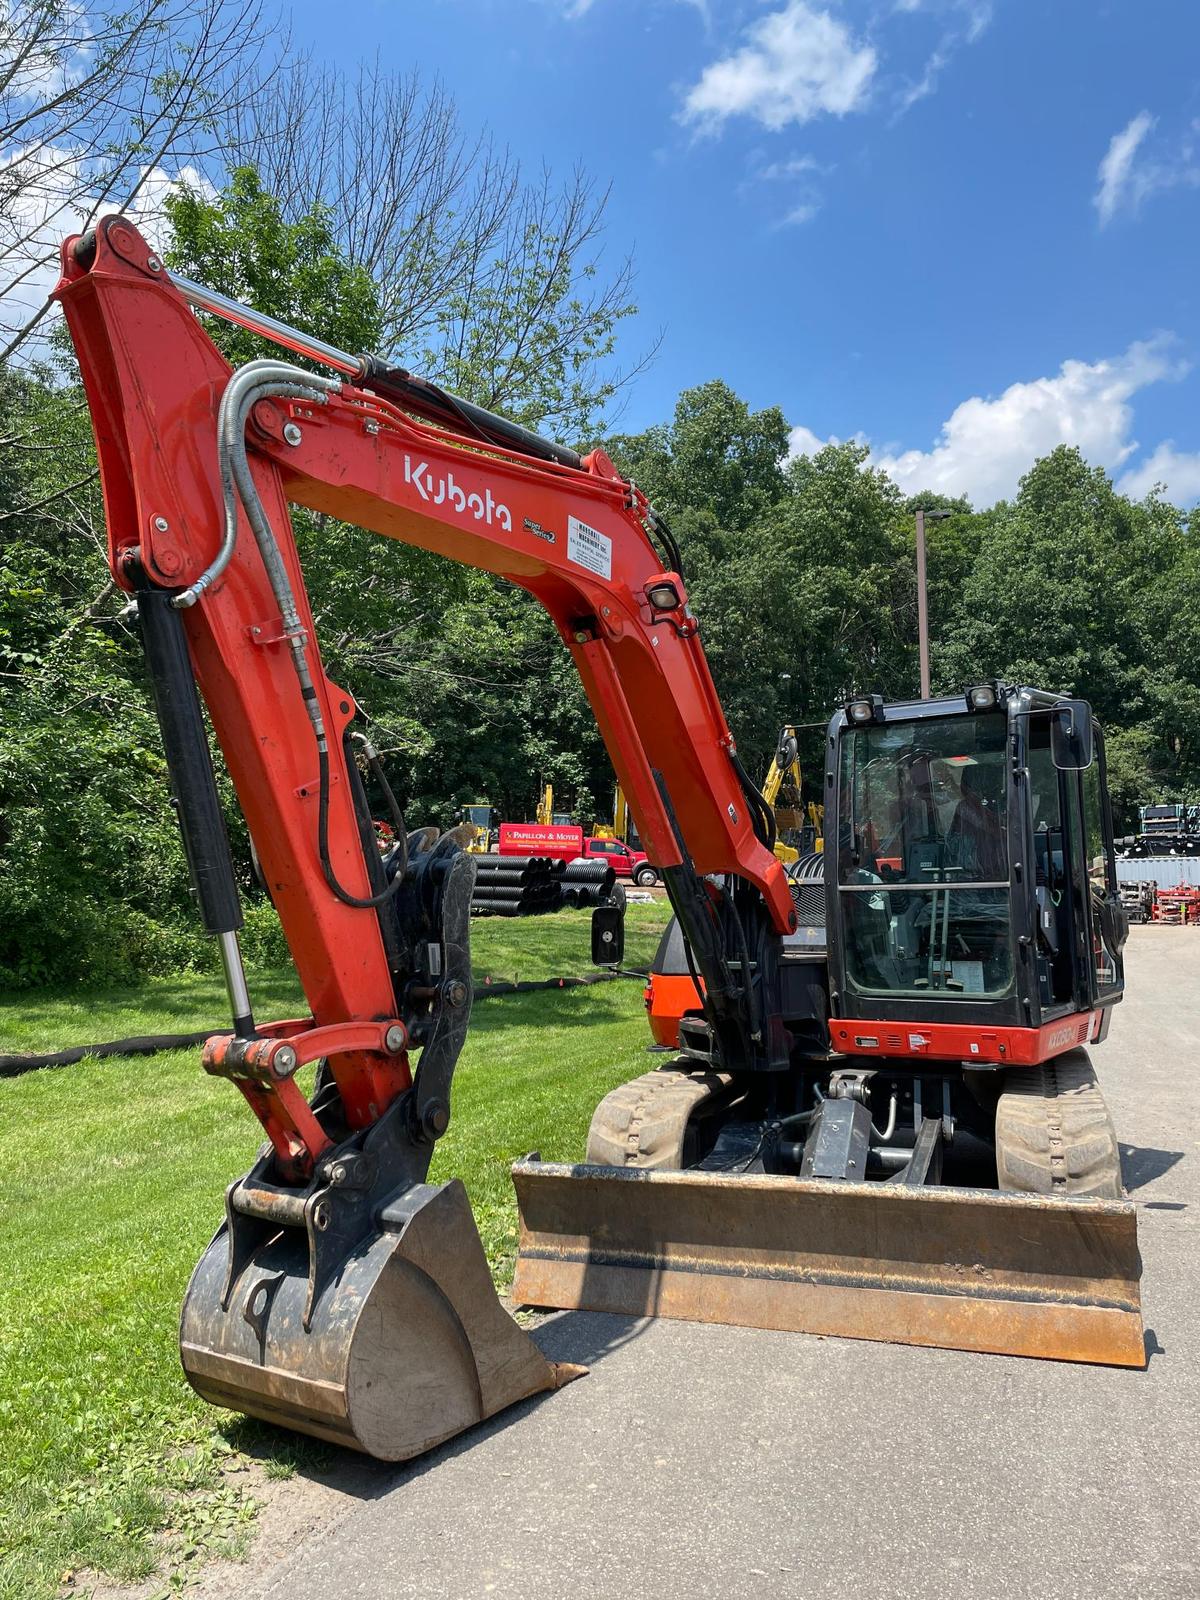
pixel 797 821
pixel 344 1294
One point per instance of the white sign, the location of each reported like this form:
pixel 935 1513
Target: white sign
pixel 588 548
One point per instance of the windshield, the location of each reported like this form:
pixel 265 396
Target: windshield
pixel 922 856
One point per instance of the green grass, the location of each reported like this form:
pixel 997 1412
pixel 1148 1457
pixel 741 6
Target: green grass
pixel 113 1178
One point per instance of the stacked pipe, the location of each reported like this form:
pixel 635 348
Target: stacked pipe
pixel 516 886
pixel 527 886
pixel 587 883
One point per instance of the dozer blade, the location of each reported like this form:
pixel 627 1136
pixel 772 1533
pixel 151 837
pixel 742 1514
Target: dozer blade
pixel 962 1269
pixel 406 1346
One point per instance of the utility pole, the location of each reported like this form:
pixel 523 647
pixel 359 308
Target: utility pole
pixel 923 595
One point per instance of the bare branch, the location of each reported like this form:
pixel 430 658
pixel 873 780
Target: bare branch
pixel 102 110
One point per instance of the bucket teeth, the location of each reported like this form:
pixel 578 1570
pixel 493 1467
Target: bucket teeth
pixel 953 1268
pixel 407 1346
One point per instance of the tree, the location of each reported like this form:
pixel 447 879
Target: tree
pixel 1076 587
pixel 240 244
pixel 796 569
pixel 716 456
pixel 99 110
pixel 489 283
pixel 92 879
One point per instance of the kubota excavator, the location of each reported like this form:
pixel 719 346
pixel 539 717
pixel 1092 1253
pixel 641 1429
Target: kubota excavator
pixel 346 1296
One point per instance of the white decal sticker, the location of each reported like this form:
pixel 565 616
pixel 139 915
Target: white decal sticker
pixel 439 491
pixel 588 548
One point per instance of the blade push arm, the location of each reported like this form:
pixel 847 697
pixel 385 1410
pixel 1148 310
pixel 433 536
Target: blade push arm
pixel 574 537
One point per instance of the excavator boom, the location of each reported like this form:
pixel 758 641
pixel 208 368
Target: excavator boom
pixel 342 1285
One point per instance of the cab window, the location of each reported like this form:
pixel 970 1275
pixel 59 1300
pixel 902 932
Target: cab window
pixel 922 858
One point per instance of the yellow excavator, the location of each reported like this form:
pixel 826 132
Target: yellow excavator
pixel 622 825
pixel 546 816
pixel 798 822
pixel 476 823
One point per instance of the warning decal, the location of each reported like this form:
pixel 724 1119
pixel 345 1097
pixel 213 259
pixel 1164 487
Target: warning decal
pixel 588 548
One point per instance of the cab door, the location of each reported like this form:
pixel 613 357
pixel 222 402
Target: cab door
pixel 1098 925
pixel 1107 922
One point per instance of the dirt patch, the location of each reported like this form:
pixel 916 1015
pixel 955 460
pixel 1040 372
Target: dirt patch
pixel 291 1511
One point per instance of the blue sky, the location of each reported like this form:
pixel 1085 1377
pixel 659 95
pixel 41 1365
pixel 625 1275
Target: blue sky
pixel 881 215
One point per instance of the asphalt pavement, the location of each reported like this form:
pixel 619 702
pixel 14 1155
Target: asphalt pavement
pixel 698 1462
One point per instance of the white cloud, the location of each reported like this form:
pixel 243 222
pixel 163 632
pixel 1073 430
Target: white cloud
pixel 572 9
pixel 987 445
pixel 796 64
pixel 1177 470
pixel 926 83
pixel 798 175
pixel 794 167
pixel 974 18
pixel 804 442
pixel 46 196
pixel 804 212
pixel 1116 170
pixel 1129 173
pixel 979 17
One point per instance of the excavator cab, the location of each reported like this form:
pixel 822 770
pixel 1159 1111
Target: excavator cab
pixel 972 902
pixel 934 1163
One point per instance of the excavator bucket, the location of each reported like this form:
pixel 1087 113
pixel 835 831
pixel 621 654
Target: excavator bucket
pixel 962 1269
pixel 405 1345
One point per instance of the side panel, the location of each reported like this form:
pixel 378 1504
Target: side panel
pixel 967 1042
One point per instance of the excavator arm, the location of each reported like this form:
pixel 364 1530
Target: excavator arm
pixel 575 536
pixel 199 466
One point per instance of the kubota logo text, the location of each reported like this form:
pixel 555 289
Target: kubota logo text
pixel 438 491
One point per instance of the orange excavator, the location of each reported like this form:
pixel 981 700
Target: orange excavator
pixel 346 1296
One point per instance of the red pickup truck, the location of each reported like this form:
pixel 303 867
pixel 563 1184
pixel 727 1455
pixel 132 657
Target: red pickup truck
pixel 572 844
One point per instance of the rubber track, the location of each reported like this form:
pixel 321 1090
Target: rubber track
pixel 1054 1134
pixel 643 1123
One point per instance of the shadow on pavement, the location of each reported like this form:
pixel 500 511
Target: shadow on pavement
pixel 584 1337
pixel 1142 1164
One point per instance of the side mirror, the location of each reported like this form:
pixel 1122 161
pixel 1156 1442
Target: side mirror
pixel 608 936
pixel 1071 736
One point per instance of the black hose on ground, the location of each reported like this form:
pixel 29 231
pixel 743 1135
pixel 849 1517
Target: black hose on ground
pixel 12 1066
pixel 143 1045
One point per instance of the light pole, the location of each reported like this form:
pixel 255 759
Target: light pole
pixel 923 596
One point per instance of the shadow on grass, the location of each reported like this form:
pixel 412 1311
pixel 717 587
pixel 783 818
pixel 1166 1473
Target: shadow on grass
pixel 37 1024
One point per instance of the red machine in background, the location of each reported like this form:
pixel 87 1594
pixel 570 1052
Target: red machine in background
pixel 345 1295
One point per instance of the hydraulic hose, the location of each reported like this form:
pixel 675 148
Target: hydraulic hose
pixel 393 805
pixel 255 381
pixel 261 380
pixel 765 829
pixel 890 1129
